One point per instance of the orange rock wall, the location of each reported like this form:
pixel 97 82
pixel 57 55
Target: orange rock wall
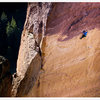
pixel 71 65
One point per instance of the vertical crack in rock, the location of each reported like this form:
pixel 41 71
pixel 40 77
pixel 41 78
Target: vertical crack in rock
pixel 29 59
pixel 64 73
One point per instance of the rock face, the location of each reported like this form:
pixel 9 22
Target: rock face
pixel 32 35
pixel 29 59
pixel 5 78
pixel 53 61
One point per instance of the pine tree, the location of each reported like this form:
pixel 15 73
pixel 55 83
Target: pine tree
pixel 13 23
pixel 3 17
pixel 3 35
pixel 9 29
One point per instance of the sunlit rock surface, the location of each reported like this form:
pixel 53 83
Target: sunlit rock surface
pixel 69 66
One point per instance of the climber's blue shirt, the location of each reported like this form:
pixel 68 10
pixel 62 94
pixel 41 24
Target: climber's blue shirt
pixel 85 33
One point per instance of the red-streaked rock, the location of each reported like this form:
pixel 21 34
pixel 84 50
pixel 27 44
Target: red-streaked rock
pixel 70 64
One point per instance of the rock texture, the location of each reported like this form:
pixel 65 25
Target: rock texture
pixel 32 35
pixel 29 59
pixel 5 78
pixel 71 67
pixel 53 61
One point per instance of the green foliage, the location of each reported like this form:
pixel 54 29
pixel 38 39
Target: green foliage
pixel 9 29
pixel 3 35
pixel 13 23
pixel 10 32
pixel 3 17
pixel 13 35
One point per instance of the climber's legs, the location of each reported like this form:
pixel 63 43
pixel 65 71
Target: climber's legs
pixel 83 36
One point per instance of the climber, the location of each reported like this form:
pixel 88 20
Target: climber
pixel 84 34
